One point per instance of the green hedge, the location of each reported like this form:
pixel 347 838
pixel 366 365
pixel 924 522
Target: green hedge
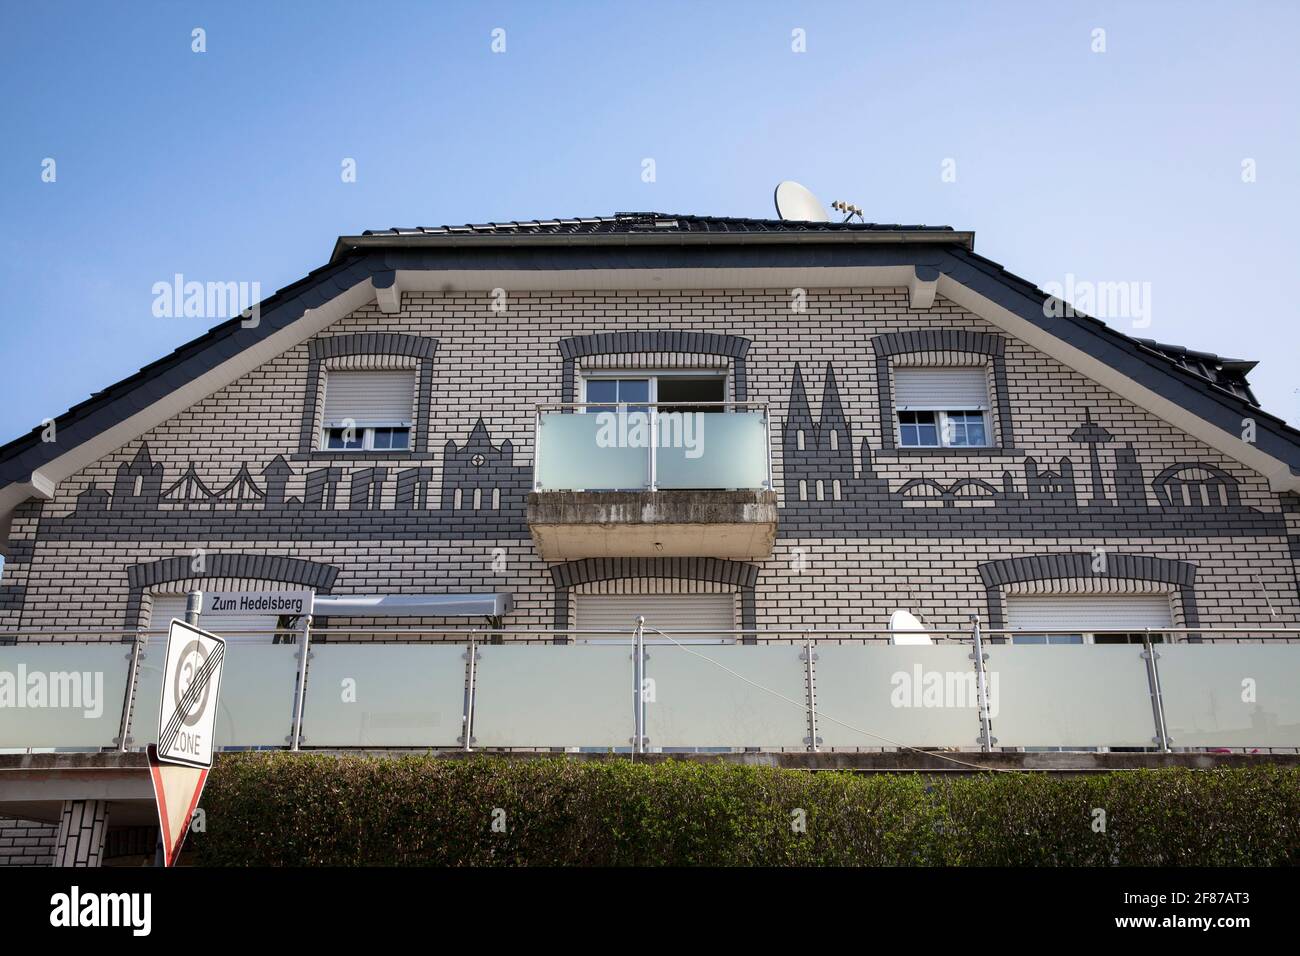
pixel 293 810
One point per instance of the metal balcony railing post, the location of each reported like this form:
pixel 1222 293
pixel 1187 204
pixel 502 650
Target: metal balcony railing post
pixel 123 741
pixel 537 450
pixel 654 447
pixel 810 676
pixel 300 693
pixel 767 437
pixel 638 675
pixel 1149 654
pixel 986 739
pixel 471 675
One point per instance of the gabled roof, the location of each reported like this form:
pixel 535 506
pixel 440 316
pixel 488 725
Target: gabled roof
pixel 1208 387
pixel 653 227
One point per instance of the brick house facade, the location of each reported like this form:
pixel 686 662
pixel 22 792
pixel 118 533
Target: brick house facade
pixel 1099 444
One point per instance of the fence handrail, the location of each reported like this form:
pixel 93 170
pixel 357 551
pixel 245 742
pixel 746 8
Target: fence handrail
pixel 478 632
pixel 542 406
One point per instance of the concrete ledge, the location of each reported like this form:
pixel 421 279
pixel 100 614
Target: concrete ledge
pixel 34 786
pixel 568 525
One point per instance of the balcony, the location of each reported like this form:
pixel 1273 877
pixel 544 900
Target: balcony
pixel 653 481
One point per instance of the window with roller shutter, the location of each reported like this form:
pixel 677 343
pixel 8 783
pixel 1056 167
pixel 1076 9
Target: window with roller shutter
pixel 942 407
pixel 368 410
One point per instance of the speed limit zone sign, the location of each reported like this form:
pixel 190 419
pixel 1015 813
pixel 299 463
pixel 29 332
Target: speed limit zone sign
pixel 191 689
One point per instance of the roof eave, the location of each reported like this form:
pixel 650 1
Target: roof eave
pixel 347 244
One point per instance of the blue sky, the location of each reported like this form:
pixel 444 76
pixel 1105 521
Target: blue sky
pixel 225 165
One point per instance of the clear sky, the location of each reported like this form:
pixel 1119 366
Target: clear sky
pixel 1117 166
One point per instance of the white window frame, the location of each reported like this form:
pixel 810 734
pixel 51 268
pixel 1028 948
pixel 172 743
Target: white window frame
pixel 364 427
pixel 943 411
pixel 941 423
pixel 367 433
pixel 650 636
pixel 654 375
pixel 1090 637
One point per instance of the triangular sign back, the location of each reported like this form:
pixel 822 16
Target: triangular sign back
pixel 177 789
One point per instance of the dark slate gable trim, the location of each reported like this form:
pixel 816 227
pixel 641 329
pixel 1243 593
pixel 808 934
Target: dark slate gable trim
pixel 1124 567
pixel 225 564
pixel 741 575
pixel 1218 406
pixel 940 340
pixel 615 343
pixel 113 405
pixel 370 343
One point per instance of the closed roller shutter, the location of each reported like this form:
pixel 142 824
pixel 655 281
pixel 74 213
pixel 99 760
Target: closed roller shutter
pixel 941 388
pixel 672 613
pixel 369 398
pixel 168 606
pixel 1087 613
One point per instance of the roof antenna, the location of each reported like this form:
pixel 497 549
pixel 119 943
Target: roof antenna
pixel 848 209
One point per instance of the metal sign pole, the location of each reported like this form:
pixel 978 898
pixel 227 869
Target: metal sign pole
pixel 193 608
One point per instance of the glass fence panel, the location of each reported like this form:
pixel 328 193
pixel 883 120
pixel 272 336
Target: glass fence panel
pixel 384 695
pixel 1070 696
pixel 1231 695
pixel 693 702
pixel 534 695
pixel 255 708
pixel 712 450
pixel 587 451
pixel 62 695
pixel 917 696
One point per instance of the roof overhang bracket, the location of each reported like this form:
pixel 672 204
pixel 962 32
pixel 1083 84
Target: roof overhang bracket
pixel 923 285
pixel 388 292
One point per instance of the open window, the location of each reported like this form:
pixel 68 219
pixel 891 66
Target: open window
pixel 670 391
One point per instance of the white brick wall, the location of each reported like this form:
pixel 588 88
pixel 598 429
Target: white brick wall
pixel 499 366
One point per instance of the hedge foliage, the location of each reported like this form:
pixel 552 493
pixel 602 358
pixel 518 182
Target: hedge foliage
pixel 295 810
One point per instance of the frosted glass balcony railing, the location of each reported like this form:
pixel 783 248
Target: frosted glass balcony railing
pixel 589 447
pixel 830 690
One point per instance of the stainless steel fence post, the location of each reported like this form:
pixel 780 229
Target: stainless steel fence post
pixel 638 674
pixel 987 739
pixel 1157 697
pixel 300 693
pixel 471 675
pixel 129 703
pixel 809 674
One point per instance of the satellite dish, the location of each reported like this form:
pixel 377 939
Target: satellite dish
pixel 796 202
pixel 904 628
